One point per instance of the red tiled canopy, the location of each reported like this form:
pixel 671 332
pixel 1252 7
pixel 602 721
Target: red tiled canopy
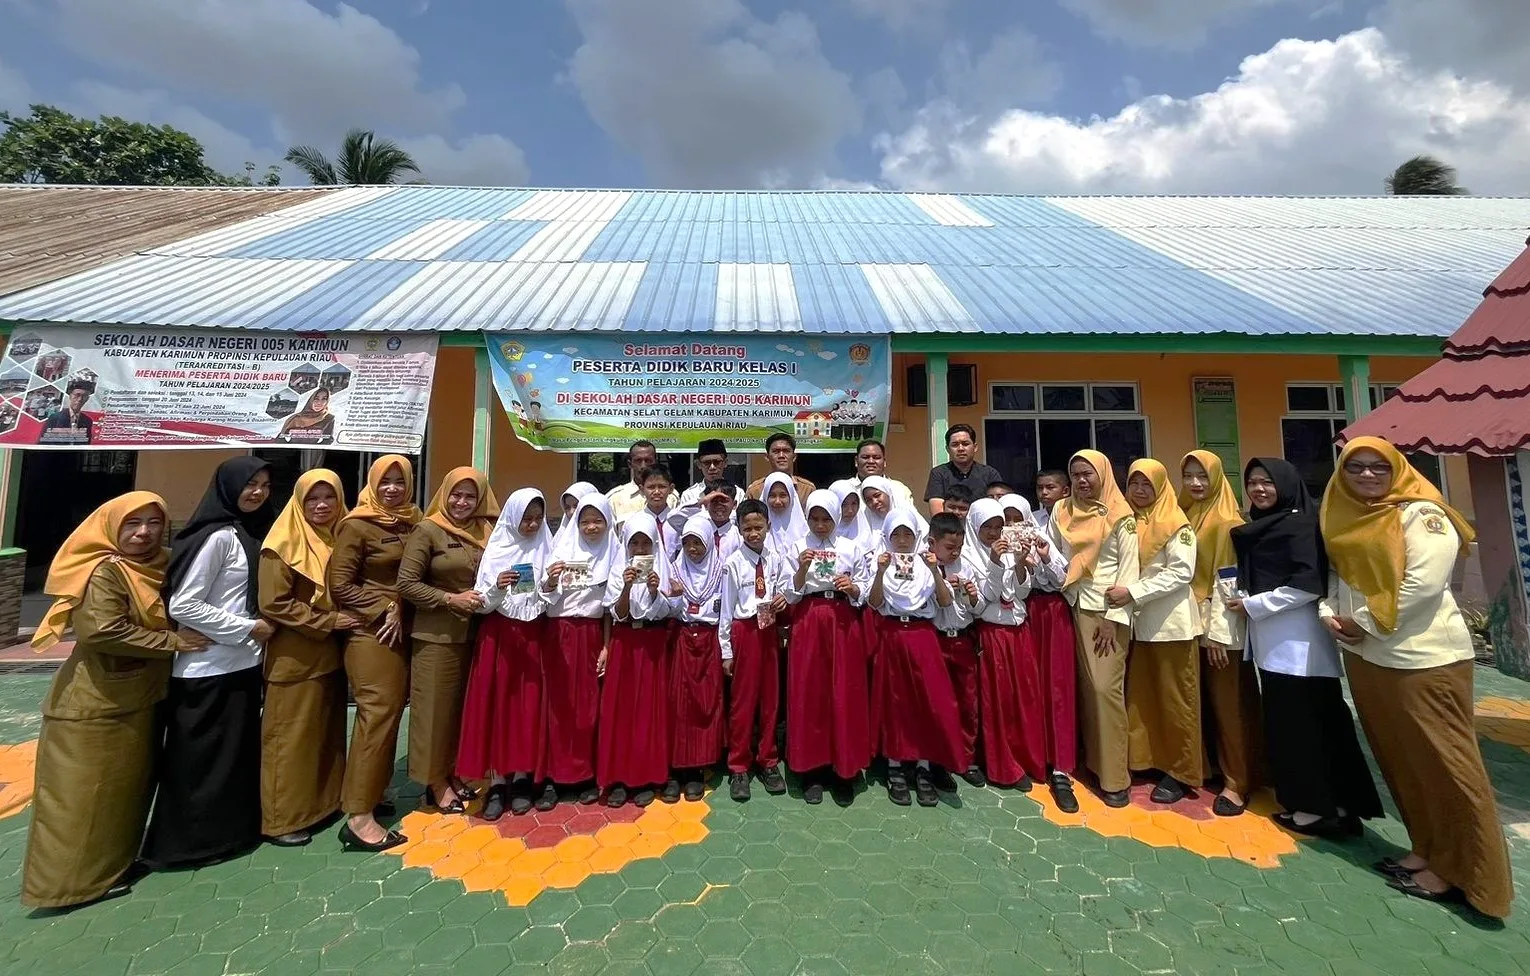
pixel 1476 400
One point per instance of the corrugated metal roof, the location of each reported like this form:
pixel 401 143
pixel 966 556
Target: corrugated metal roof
pixel 452 258
pixel 1476 400
pixel 47 232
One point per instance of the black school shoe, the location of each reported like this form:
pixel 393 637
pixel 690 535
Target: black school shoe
pixel 843 791
pixel 695 789
pixel 924 788
pixel 812 793
pixel 1062 793
pixel 738 787
pixel 671 792
pixel 494 803
pixel 548 799
pixel 974 777
pixel 942 779
pixel 897 786
pixel 1169 790
pixel 772 779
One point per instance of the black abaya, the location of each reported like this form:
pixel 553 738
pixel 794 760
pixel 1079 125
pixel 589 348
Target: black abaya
pixel 208 805
pixel 1313 751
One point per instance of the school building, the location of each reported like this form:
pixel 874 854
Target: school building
pixel 1138 325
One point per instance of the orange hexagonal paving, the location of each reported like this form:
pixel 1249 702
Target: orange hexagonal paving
pixel 526 855
pixel 1505 720
pixel 18 768
pixel 1189 824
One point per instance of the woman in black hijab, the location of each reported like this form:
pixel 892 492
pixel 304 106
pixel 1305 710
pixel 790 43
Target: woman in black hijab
pixel 208 805
pixel 1320 774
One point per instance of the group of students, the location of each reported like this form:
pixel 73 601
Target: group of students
pixel 625 656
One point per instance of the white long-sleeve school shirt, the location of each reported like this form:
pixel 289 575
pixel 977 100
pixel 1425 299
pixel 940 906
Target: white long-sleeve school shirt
pixel 739 600
pixel 211 601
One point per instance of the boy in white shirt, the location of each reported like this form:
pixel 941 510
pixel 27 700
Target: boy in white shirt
pixel 752 587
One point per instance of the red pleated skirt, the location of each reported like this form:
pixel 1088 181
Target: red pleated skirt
pixel 572 697
pixel 913 701
pixel 828 698
pixel 696 697
pixel 1011 704
pixel 633 740
pixel 1050 621
pixel 502 717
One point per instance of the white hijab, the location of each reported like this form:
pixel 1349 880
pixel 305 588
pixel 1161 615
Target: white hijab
pixel 576 491
pixel 858 530
pixel 876 541
pixel 702 581
pixel 507 548
pixel 1020 504
pixel 848 554
pixel 973 551
pixel 603 555
pixel 787 531
pixel 642 601
pixel 901 597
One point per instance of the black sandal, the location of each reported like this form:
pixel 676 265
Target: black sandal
pixel 1394 869
pixel 924 789
pixel 453 807
pixel 897 787
pixel 1410 886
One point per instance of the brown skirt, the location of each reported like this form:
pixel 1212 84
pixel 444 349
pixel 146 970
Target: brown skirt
pixel 379 679
pixel 437 687
pixel 1234 722
pixel 90 806
pixel 1163 709
pixel 1420 727
pixel 302 753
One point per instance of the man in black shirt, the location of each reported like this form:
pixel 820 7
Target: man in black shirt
pixel 963 469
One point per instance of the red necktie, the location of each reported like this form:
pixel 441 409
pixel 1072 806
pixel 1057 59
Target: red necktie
pixel 759 578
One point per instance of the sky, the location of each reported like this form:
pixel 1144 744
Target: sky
pixel 1042 96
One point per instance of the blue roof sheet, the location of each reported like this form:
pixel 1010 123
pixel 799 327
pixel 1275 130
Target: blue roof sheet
pixel 470 258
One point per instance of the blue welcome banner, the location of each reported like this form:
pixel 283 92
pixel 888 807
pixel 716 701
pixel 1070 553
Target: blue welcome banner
pixel 589 393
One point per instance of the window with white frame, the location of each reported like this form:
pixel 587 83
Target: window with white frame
pixel 1035 427
pixel 1309 432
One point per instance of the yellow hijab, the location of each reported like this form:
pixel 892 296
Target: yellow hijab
pixel 92 543
pixel 371 509
pixel 480 525
pixel 1212 519
pixel 301 545
pixel 1159 522
pixel 1365 538
pixel 1086 523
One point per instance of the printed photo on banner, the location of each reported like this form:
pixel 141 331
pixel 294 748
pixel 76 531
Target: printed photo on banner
pixel 584 393
pixel 77 387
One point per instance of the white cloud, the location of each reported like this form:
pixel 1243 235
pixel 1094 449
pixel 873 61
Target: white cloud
pixel 1481 38
pixel 1012 69
pixel 313 72
pixel 1174 24
pixel 227 150
pixel 478 160
pixel 15 93
pixel 707 95
pixel 901 15
pixel 1303 117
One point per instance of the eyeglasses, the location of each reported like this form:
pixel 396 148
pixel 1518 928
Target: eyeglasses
pixel 1380 468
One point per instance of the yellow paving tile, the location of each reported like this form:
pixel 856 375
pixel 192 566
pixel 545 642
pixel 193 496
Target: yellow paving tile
pixel 457 865
pixel 576 848
pixel 18 770
pixel 475 838
pixel 688 832
pixel 486 877
pixel 651 845
pixel 609 860
pixel 422 854
pixel 690 811
pixel 501 850
pixel 442 828
pixel 656 817
pixel 519 891
pixel 567 874
pixel 534 861
pixel 617 835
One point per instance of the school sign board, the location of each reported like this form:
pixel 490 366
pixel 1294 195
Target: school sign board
pixel 584 393
pixel 89 388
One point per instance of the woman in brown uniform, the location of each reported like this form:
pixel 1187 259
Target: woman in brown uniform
pixel 1394 544
pixel 436 577
pixel 95 755
pixel 302 733
pixel 363 581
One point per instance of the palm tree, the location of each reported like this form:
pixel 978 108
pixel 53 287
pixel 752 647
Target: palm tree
pixel 363 159
pixel 1424 176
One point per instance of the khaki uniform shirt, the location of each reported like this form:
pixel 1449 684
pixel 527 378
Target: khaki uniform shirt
pixel 437 564
pixel 1163 606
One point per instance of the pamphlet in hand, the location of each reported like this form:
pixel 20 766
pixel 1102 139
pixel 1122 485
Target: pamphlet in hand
pixel 1019 535
pixel 1227 583
pixel 821 564
pixel 525 578
pixel 643 565
pixel 576 575
pixel 903 565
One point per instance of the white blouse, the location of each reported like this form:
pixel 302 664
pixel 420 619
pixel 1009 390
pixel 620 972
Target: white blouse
pixel 1285 635
pixel 211 601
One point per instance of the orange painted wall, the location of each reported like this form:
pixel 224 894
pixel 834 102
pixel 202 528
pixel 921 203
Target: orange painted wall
pixel 1164 383
pixel 179 477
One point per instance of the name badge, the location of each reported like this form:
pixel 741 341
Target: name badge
pixel 693 609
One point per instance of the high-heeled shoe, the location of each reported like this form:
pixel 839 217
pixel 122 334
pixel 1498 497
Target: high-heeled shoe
pixel 455 806
pixel 465 793
pixel 350 841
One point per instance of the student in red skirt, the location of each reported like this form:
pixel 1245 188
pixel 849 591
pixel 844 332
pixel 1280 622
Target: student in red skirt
pixel 958 637
pixel 1050 623
pixel 912 698
pixel 633 738
pixel 502 711
pixel 1009 677
pixel 787 523
pixel 752 594
pixel 828 700
pixel 574 588
pixel 697 719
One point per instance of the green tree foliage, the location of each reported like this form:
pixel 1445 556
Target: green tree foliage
pixel 363 159
pixel 51 146
pixel 1424 176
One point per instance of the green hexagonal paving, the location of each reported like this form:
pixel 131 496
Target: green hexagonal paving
pixel 992 882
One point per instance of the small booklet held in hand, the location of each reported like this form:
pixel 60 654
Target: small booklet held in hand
pixel 576 575
pixel 525 578
pixel 643 565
